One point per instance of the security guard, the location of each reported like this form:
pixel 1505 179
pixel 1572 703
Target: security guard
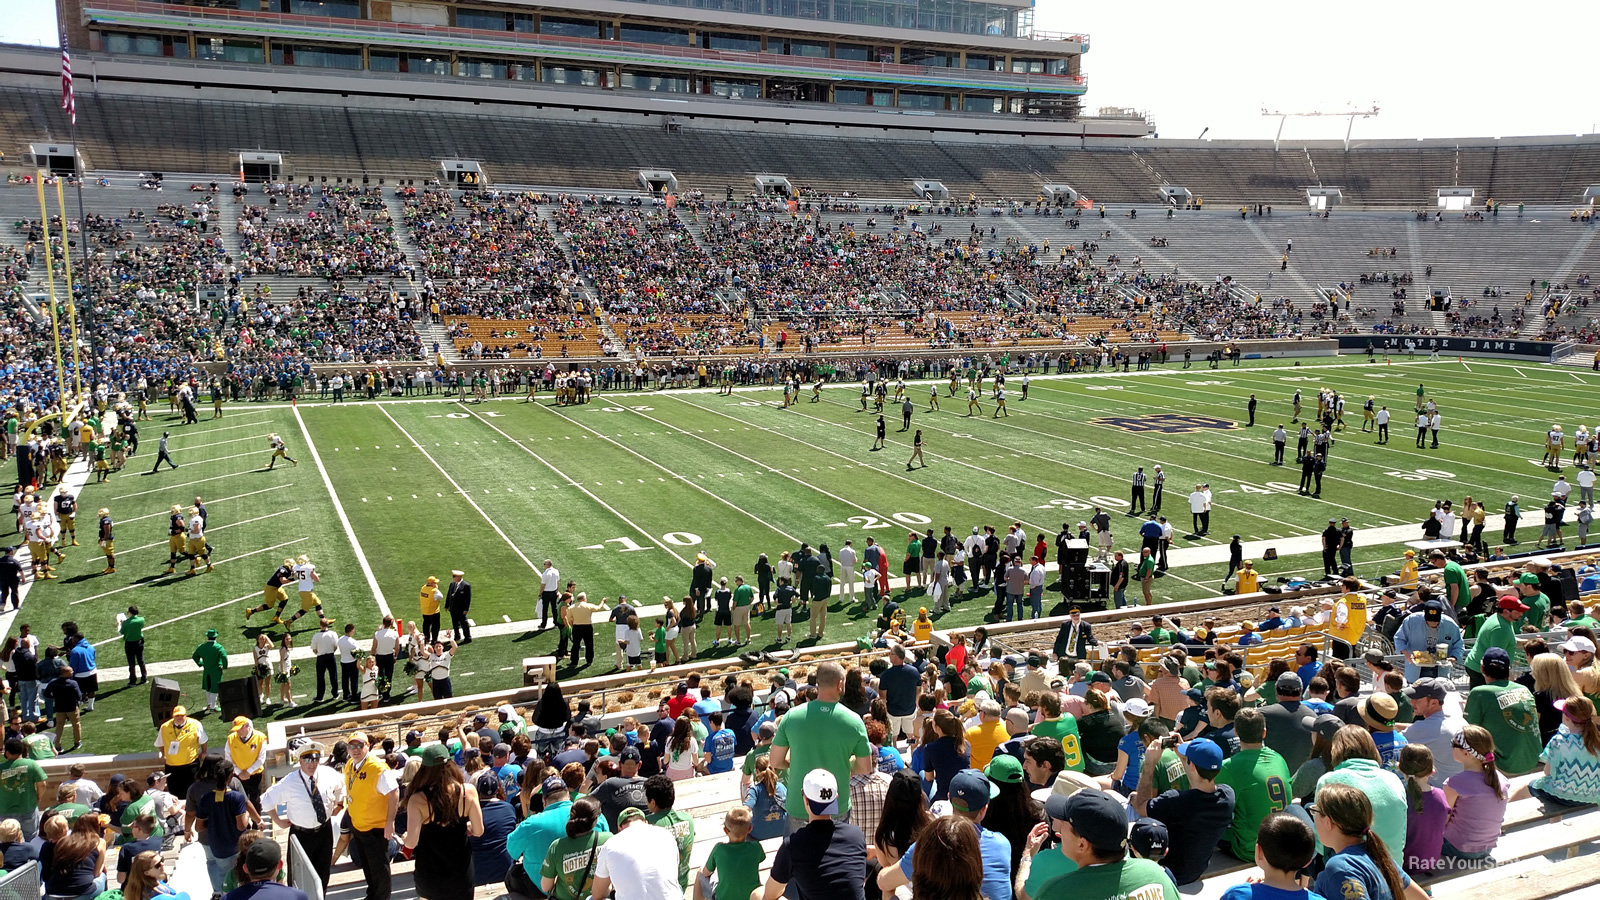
pixel 181 744
pixel 372 791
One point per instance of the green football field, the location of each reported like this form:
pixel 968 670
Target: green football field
pixel 623 492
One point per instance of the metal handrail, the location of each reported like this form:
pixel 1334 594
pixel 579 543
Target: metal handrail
pixel 390 33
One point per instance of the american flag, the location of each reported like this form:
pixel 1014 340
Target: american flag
pixel 67 101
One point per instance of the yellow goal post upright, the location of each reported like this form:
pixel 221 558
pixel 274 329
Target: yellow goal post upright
pixel 71 402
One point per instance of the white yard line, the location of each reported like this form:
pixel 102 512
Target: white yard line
pixel 253 437
pixel 344 520
pixel 214 530
pixel 189 463
pixel 173 487
pixel 175 575
pixel 206 431
pixel 564 477
pixel 211 503
pixel 187 615
pixel 467 496
pixel 683 478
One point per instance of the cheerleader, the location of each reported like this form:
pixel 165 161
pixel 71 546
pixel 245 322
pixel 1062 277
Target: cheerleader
pixel 417 662
pixel 286 671
pixel 263 668
pixel 958 568
pixel 369 682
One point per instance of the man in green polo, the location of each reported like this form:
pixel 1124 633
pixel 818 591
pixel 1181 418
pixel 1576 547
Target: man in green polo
pixel 1499 630
pixel 743 596
pixel 1455 579
pixel 1538 604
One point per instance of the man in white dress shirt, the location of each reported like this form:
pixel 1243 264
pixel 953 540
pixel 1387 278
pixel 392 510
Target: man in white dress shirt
pixel 306 801
pixel 549 592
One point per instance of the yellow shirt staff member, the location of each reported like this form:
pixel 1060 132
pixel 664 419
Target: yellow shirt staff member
pixel 246 747
pixel 372 790
pixel 180 743
pixel 430 598
pixel 1349 618
pixel 1408 572
pixel 1249 579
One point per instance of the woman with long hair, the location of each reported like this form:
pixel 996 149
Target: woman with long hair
pixel 1477 796
pixel 949 865
pixel 946 755
pixel 764 577
pixel 286 670
pixel 567 872
pixel 1319 763
pixel 683 751
pixel 263 667
pixel 1552 682
pixel 550 718
pixel 688 623
pixel 767 800
pixel 1570 759
pixel 441 816
pixel 146 879
pixel 905 815
pixel 1427 809
pixel 1358 858
pixel 856 697
pixel 1012 810
pixel 74 860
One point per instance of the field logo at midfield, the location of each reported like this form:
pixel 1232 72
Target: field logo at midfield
pixel 1165 423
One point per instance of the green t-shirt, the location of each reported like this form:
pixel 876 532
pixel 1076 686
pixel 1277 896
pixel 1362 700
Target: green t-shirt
pixel 566 862
pixel 133 629
pixel 756 752
pixel 1407 715
pixel 1260 780
pixel 1147 566
pixel 1139 878
pixel 1584 622
pixel 1496 631
pixel 40 746
pixel 1048 865
pixel 737 867
pixel 1170 774
pixel 18 777
pixel 682 828
pixel 145 804
pixel 1160 635
pixel 832 735
pixel 1065 732
pixel 661 639
pixel 1538 610
pixel 71 810
pixel 1510 713
pixel 744 595
pixel 1454 574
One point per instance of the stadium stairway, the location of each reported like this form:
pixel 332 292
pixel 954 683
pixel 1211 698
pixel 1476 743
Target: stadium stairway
pixel 436 336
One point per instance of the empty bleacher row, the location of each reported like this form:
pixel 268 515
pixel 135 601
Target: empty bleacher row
pixel 366 138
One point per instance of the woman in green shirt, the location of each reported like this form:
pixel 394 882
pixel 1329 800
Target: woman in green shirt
pixel 568 869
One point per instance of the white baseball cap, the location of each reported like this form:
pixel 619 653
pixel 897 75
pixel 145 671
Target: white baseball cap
pixel 1577 644
pixel 822 792
pixel 1136 707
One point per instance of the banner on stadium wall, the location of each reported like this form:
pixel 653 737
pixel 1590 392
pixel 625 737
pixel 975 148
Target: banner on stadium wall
pixel 1396 344
pixel 1085 202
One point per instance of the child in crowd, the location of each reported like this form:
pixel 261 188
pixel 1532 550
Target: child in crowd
pixel 736 862
pixel 1284 846
pixel 1477 796
pixel 1426 812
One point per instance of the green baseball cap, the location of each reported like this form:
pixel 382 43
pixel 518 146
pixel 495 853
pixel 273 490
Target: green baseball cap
pixel 1004 769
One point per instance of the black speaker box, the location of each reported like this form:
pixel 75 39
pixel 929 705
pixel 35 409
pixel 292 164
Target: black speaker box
pixel 239 697
pixel 164 696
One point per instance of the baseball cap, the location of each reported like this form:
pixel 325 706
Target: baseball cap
pixel 359 737
pixel 1035 660
pixel 1326 725
pixel 630 754
pixel 1136 706
pixel 1577 644
pixel 1099 678
pixel 970 790
pixel 552 785
pixel 154 777
pixel 1195 694
pixel 627 815
pixel 502 749
pixel 822 792
pixel 1510 603
pixel 413 735
pixel 1204 753
pixel 261 858
pixel 180 711
pixel 435 755
pixel 1527 578
pixel 480 719
pixel 1426 689
pixel 1497 656
pixel 1096 816
pixel 1171 665
pixel 1379 710
pixel 1290 683
pixel 1004 769
pixel 1149 838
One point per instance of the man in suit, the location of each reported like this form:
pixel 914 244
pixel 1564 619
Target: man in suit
pixel 458 600
pixel 1073 640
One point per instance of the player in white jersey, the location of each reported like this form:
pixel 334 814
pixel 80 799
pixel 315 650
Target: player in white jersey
pixel 1000 403
pixel 972 402
pixel 307 579
pixel 279 450
pixel 933 396
pixel 194 542
pixel 1554 440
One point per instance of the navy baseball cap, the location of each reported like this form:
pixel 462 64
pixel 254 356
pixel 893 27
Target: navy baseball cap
pixel 552 785
pixel 971 790
pixel 1096 816
pixel 1204 753
pixel 1149 838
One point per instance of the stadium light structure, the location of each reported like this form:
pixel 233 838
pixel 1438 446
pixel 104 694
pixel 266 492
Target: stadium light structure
pixel 1351 114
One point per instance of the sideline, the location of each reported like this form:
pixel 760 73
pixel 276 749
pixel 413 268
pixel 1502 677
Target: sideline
pixel 338 508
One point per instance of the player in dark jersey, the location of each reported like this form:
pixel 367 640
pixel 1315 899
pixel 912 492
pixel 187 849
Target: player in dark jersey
pixel 274 593
pixel 176 528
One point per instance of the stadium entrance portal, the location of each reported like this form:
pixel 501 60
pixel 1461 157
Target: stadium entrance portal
pixel 658 181
pixel 260 166
pixel 774 186
pixel 1456 199
pixel 1322 199
pixel 57 159
pixel 466 174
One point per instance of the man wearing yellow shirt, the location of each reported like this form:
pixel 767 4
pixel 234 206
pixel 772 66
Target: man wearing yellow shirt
pixel 988 734
pixel 1349 619
pixel 583 613
pixel 247 748
pixel 1408 572
pixel 181 744
pixel 431 597
pixel 1249 579
pixel 372 795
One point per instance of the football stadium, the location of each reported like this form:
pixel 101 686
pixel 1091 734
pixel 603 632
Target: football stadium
pixel 584 390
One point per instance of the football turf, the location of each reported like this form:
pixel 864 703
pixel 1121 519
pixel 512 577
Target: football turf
pixel 623 492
